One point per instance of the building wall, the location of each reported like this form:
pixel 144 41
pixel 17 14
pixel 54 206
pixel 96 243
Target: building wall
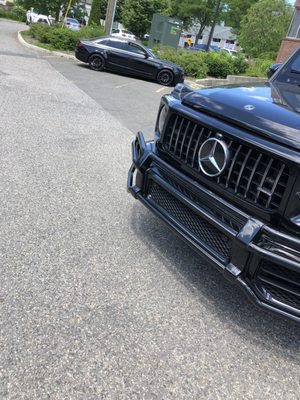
pixel 292 41
pixel 222 37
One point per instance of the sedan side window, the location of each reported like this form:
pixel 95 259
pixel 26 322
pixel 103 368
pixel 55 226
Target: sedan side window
pixel 134 48
pixel 296 66
pixel 115 44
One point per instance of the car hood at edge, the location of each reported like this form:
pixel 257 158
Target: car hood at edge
pixel 263 109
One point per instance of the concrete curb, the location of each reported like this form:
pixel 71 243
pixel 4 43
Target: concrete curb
pixel 32 46
pixel 230 80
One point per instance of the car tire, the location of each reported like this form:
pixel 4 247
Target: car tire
pixel 165 77
pixel 96 62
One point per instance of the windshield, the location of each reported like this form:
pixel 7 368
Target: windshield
pixel 73 20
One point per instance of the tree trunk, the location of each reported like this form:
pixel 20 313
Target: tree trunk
pixel 200 31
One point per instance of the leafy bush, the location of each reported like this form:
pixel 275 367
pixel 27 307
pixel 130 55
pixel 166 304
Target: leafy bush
pixel 62 38
pixel 219 64
pixel 199 64
pixel 239 64
pixel 259 67
pixel 191 62
pixel 269 55
pixel 17 14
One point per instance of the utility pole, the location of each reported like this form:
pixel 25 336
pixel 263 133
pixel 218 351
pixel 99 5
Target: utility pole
pixel 110 15
pixel 216 13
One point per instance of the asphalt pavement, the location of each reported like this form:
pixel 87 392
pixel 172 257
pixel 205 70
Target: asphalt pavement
pixel 98 299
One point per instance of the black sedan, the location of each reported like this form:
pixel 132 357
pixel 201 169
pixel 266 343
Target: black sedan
pixel 128 57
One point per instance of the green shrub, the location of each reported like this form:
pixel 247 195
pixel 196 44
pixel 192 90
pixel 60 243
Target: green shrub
pixel 239 64
pixel 269 55
pixel 259 67
pixel 199 64
pixel 15 15
pixel 191 62
pixel 62 38
pixel 219 64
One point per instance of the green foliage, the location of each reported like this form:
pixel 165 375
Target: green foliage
pixel 137 14
pixel 96 12
pixel 54 7
pixel 239 64
pixel 62 39
pixel 199 64
pixel 99 10
pixel 264 25
pixel 235 11
pixel 269 55
pixel 17 14
pixel 198 12
pixel 259 67
pixel 219 65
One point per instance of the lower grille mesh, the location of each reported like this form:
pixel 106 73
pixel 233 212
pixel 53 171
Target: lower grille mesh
pixel 203 230
pixel 282 284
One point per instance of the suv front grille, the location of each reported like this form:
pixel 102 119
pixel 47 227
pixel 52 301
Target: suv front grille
pixel 280 284
pixel 190 220
pixel 251 174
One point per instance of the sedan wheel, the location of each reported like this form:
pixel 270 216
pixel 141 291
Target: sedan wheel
pixel 165 77
pixel 96 62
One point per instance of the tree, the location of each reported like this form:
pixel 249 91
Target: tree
pixel 96 12
pixel 196 12
pixel 137 14
pixel 235 10
pixel 50 7
pixel 99 10
pixel 264 26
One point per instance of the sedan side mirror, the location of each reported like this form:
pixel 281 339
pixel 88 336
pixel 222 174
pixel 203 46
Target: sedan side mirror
pixel 271 71
pixel 146 55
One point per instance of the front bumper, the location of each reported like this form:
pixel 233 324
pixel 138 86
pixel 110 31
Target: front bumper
pixel 264 262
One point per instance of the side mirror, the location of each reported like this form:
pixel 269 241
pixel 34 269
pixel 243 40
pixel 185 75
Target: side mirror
pixel 146 55
pixel 271 71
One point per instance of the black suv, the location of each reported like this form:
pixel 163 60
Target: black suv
pixel 223 173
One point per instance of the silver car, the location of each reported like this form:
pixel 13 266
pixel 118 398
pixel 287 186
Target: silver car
pixel 72 24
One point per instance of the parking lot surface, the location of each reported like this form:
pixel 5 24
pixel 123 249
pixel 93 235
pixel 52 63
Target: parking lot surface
pixel 98 299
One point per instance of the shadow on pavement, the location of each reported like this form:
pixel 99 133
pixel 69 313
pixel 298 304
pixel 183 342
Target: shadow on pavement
pixel 222 299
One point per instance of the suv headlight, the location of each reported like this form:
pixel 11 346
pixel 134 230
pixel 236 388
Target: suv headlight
pixel 162 118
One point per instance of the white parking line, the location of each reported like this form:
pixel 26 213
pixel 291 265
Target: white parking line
pixel 125 84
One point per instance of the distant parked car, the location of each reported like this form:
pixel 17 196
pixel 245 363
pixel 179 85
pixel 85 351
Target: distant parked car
pixel 202 47
pixel 34 17
pixel 231 52
pixel 123 34
pixel 128 57
pixel 72 24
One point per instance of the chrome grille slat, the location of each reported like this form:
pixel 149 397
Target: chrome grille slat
pixel 184 137
pixel 190 142
pixel 263 179
pixel 242 170
pixel 173 131
pixel 178 135
pixel 196 147
pixel 251 174
pixel 232 165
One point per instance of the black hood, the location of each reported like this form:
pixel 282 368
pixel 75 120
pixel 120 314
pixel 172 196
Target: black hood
pixel 272 111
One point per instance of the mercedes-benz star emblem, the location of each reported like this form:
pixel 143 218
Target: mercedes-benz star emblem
pixel 213 157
